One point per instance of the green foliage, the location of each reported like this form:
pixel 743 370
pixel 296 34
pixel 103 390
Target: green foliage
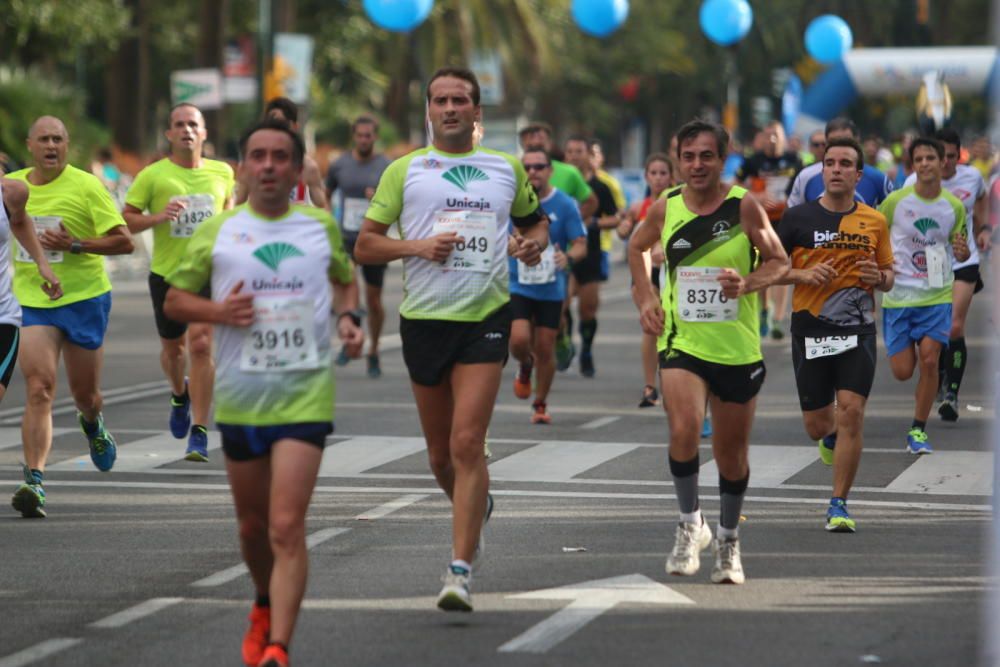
pixel 56 29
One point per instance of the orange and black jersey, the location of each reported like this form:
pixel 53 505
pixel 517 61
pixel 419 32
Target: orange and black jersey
pixel 812 235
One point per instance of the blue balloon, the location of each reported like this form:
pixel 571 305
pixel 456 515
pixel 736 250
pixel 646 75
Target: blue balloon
pixel 398 15
pixel 828 38
pixel 599 18
pixel 725 22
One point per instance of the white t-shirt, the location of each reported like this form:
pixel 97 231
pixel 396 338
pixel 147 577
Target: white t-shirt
pixel 968 185
pixel 10 309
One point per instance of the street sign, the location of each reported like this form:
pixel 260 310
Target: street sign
pixel 200 87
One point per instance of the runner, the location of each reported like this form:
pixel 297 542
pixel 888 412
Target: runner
pixel 966 183
pixel 841 253
pixel 709 337
pixel 927 225
pixel 659 178
pixel 537 293
pixel 309 190
pixel 77 222
pixel 589 273
pixel 269 265
pixel 172 197
pixel 356 174
pixel 452 201
pixel 767 174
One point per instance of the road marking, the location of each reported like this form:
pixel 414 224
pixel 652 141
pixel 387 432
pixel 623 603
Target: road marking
pixel 598 423
pixel 557 461
pixel 113 396
pixel 39 651
pixel 770 465
pixel 955 473
pixel 141 610
pixel 820 501
pixel 388 508
pixel 366 452
pixel 143 455
pixel 590 599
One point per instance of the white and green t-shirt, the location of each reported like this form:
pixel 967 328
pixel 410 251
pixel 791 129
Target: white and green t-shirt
pixel 429 192
pixel 276 371
pixel 922 231
pixel 205 189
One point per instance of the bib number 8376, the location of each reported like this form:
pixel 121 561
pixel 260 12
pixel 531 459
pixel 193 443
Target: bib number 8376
pixel 705 296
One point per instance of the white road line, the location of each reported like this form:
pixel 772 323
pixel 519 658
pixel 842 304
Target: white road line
pixel 39 651
pixel 557 461
pixel 143 455
pixel 111 396
pixel 388 508
pixel 770 465
pixel 222 576
pixel 948 473
pixel 366 452
pixel 601 421
pixel 325 535
pixel 141 610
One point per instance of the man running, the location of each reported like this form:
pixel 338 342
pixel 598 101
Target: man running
pixel 172 197
pixel 269 266
pixel 29 498
pixel 841 253
pixel 77 222
pixel 452 201
pixel 927 225
pixel 709 337
pixel 594 269
pixel 966 183
pixel 537 292
pixel 357 174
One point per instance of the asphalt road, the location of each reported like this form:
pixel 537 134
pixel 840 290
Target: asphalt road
pixel 140 566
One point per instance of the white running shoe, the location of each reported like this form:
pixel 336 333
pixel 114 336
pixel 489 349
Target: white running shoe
pixel 690 540
pixel 728 568
pixel 455 596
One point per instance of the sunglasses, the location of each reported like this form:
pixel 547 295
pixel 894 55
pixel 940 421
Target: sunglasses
pixel 536 166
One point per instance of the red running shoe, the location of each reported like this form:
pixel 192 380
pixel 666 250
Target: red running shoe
pixel 255 640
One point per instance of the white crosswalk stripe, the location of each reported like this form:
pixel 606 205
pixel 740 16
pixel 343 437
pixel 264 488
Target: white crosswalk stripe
pixel 958 473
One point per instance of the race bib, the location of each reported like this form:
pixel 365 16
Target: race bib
pixel 937 264
pixel 542 273
pixel 199 208
pixel 829 346
pixel 700 297
pixel 354 213
pixel 281 338
pixel 776 187
pixel 478 232
pixel 42 223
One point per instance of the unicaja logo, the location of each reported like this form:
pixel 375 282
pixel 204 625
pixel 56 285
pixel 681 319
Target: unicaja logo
pixel 924 225
pixel 463 175
pixel 272 255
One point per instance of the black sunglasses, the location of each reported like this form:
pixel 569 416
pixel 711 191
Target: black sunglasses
pixel 536 166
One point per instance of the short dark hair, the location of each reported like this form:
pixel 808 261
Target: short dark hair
pixel 848 142
pixel 948 135
pixel 535 148
pixel 457 73
pixel 298 146
pixel 842 123
pixel 693 128
pixel 927 141
pixel 580 139
pixel 535 126
pixel 288 108
pixel 170 114
pixel 365 119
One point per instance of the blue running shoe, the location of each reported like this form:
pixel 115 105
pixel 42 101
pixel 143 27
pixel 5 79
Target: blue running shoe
pixel 197 449
pixel 103 450
pixel 916 442
pixel 342 358
pixel 565 351
pixel 587 369
pixel 180 415
pixel 706 427
pixel 837 518
pixel 374 367
pixel 29 499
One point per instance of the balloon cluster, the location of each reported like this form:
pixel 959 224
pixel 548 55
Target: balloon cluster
pixel 725 22
pixel 828 38
pixel 398 15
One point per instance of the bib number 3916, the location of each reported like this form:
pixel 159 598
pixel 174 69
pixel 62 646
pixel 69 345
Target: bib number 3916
pixel 281 337
pixel 829 346
pixel 42 223
pixel 199 208
pixel 478 231
pixel 700 297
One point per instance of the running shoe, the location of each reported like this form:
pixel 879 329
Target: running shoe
pixel 777 331
pixel 728 568
pixel 540 414
pixel 481 545
pixel 342 358
pixel 522 382
pixel 689 541
pixel 916 442
pixel 587 365
pixel 255 639
pixel 825 451
pixel 29 499
pixel 456 595
pixel 949 408
pixel 180 415
pixel 837 518
pixel 706 427
pixel 649 396
pixel 197 449
pixel 103 450
pixel 274 656
pixel 765 323
pixel 374 367
pixel 565 351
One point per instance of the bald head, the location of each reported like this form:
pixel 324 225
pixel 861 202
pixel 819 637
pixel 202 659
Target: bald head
pixel 48 143
pixel 47 125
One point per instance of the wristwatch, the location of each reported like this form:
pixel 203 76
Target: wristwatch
pixel 76 247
